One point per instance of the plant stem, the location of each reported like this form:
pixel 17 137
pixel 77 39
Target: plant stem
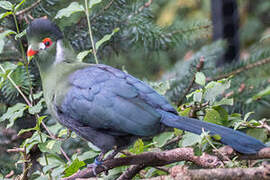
pixel 20 42
pixel 90 31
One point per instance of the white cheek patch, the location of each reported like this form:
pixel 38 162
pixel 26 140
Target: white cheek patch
pixel 60 56
pixel 41 46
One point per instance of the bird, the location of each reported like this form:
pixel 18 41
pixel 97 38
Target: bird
pixel 106 106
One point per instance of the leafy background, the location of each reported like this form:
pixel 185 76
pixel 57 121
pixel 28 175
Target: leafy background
pixel 161 44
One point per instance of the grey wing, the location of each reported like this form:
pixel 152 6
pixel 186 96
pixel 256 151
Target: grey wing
pixel 112 101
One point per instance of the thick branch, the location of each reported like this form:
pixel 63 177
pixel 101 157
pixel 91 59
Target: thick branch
pixel 153 159
pixel 167 157
pixel 180 172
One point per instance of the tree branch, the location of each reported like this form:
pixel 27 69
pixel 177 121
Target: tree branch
pixel 180 172
pixel 168 157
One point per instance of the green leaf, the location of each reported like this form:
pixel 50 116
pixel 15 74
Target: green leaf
pixel 93 3
pixel 74 167
pixel 214 89
pixel 72 8
pixel 262 93
pixel 6 5
pixel 18 5
pixel 224 116
pixel 38 95
pixel 212 116
pixel 13 113
pixel 163 138
pixel 197 97
pixel 198 151
pixel 248 115
pixel 190 139
pixel 83 54
pixel 6 33
pixel 62 132
pixel 2 15
pixel 216 137
pixel 36 138
pixel 52 159
pixel 52 146
pixel 93 147
pixel 185 112
pixel 105 38
pixel 20 35
pixel 87 155
pixel 26 130
pixel 200 78
pixel 224 101
pixel 138 147
pixel 258 134
pixel 265 37
pixel 37 108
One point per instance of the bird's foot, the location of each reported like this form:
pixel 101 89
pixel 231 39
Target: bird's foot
pixel 97 163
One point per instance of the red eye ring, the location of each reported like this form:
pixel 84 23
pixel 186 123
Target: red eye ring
pixel 47 42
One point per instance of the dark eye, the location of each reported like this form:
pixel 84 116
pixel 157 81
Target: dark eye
pixel 47 42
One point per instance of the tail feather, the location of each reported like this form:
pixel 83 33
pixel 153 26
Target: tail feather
pixel 236 139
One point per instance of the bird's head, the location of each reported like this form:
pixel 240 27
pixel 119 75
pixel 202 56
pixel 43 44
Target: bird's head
pixel 46 42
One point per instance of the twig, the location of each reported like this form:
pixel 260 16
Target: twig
pixel 102 11
pixel 198 68
pixel 153 159
pixel 28 8
pixel 146 5
pixel 242 69
pixel 131 172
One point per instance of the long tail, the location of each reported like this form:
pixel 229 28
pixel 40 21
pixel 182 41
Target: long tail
pixel 236 139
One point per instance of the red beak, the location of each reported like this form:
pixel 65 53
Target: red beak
pixel 31 52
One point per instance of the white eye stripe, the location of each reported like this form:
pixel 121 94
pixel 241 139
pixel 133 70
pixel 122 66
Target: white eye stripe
pixel 41 46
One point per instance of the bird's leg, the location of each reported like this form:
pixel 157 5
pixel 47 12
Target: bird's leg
pixel 98 162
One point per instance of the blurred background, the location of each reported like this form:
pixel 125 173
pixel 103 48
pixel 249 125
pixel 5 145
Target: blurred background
pixel 158 41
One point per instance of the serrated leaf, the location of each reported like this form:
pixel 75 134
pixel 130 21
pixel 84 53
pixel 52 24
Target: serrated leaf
pixel 74 167
pixel 106 38
pixel 92 3
pixel 13 113
pixel 72 8
pixel 83 54
pixel 20 35
pixel 6 5
pixel 200 78
pixel 161 139
pixel 212 116
pixel 138 147
pixel 258 134
pixel 37 108
pixel 190 139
